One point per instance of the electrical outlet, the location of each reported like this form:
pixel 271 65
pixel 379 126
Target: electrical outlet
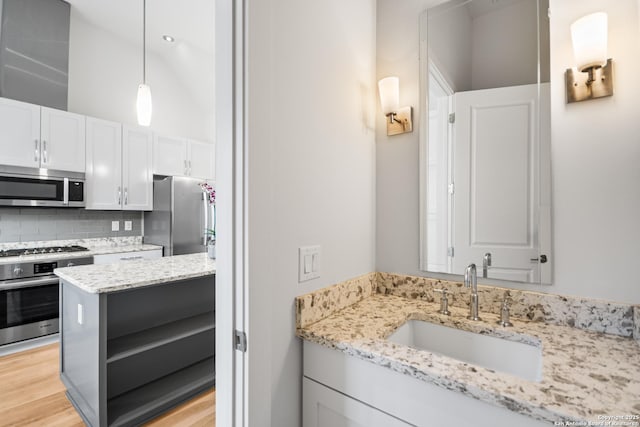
pixel 308 263
pixel 115 225
pixel 128 225
pixel 80 314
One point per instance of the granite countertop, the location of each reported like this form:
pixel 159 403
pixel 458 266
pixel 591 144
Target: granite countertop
pixel 134 274
pixel 585 374
pixel 95 246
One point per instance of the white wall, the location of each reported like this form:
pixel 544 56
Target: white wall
pixel 311 165
pixel 104 74
pixel 595 157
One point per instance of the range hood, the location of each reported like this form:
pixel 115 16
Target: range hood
pixel 34 51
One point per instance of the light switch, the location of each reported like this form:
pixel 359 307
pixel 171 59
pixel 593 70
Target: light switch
pixel 115 225
pixel 128 225
pixel 308 263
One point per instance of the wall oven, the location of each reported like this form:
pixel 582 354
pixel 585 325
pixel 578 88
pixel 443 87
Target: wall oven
pixel 41 187
pixel 29 296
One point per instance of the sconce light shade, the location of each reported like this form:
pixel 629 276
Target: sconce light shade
pixel 144 105
pixel 389 88
pixel 589 37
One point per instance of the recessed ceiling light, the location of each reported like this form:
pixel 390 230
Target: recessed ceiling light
pixel 168 38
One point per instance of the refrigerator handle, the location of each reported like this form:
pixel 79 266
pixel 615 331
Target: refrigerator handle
pixel 205 200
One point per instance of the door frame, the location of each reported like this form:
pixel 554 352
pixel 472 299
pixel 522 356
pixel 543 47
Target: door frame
pixel 231 278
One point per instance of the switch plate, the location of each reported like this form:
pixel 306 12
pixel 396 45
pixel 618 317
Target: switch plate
pixel 115 225
pixel 80 314
pixel 128 225
pixel 308 263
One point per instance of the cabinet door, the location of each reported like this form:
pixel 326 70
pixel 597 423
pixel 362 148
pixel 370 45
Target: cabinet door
pixel 169 156
pixel 19 133
pixel 137 173
pixel 126 256
pixel 201 160
pixel 324 407
pixel 104 164
pixel 63 140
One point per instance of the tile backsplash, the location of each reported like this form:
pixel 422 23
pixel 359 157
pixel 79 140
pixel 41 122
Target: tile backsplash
pixel 29 224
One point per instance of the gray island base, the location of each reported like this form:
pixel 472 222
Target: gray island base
pixel 128 355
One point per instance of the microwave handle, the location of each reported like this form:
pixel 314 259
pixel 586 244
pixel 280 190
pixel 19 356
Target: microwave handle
pixel 65 192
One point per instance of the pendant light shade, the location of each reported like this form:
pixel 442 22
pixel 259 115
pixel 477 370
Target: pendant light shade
pixel 144 105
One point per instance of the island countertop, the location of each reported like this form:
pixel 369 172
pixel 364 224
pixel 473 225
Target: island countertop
pixel 586 375
pixel 135 274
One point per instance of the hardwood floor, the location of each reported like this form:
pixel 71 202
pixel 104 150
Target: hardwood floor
pixel 31 394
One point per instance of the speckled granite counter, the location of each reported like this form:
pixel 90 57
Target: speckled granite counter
pixel 136 274
pixel 585 374
pixel 96 247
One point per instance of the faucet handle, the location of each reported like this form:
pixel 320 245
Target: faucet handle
pixel 444 301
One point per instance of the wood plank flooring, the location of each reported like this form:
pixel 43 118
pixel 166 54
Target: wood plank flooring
pixel 31 394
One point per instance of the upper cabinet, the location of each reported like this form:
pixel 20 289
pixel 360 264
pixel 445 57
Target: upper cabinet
pixel 183 157
pixel 119 174
pixel 40 137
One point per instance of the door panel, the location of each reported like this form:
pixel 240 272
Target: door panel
pixel 19 133
pixel 104 164
pixel 63 140
pixel 137 174
pixel 497 181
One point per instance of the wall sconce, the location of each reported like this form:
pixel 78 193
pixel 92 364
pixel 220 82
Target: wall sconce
pixel 399 118
pixel 594 78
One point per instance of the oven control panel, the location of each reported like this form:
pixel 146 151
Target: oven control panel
pixel 45 267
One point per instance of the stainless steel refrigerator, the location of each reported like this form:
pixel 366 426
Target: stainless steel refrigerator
pixel 181 214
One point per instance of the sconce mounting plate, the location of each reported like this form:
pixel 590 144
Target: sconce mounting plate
pixel 402 122
pixel 579 90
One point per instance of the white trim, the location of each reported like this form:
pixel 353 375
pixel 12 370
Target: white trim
pixel 229 118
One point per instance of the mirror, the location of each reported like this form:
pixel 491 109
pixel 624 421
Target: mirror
pixel 485 155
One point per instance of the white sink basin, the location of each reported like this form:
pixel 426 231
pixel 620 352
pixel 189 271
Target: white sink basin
pixel 515 358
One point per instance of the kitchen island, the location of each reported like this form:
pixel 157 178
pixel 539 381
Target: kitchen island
pixel 136 338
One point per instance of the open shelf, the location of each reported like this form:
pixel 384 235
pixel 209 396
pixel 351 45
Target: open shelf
pixel 141 404
pixel 129 345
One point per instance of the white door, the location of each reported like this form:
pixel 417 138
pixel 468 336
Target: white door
pixel 104 165
pixel 496 181
pixel 63 140
pixel 137 173
pixel 19 133
pixel 201 160
pixel 169 156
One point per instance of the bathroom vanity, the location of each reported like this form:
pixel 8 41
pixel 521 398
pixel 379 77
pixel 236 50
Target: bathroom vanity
pixel 138 337
pixel 371 362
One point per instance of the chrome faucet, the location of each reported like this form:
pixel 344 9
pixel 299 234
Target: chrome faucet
pixel 471 281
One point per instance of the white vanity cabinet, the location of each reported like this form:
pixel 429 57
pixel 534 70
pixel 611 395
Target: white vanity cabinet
pixel 126 256
pixel 41 137
pixel 183 157
pixel 119 174
pixel 347 382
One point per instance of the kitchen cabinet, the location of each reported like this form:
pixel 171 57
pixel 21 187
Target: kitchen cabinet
pixel 126 256
pixel 174 156
pixel 119 174
pixel 41 137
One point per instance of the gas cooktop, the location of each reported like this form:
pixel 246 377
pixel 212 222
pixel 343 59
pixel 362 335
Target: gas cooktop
pixel 42 250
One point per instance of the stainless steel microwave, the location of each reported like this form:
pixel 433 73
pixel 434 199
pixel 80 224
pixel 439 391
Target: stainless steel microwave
pixel 41 187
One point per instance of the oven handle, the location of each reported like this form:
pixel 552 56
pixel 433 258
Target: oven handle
pixel 19 284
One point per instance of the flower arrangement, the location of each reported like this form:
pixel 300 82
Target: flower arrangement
pixel 211 193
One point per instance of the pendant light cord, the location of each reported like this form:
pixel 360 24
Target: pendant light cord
pixel 144 41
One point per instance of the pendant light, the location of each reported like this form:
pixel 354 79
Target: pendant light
pixel 143 102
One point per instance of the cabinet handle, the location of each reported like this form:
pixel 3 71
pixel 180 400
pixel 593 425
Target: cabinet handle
pixel 186 171
pixel 131 258
pixel 189 167
pixel 119 195
pixel 126 196
pixel 44 152
pixel 36 157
